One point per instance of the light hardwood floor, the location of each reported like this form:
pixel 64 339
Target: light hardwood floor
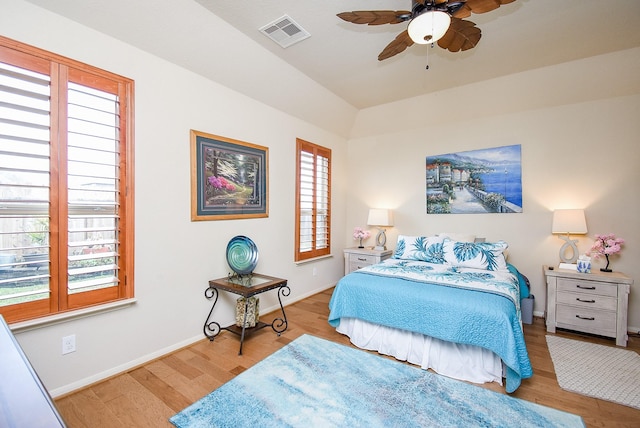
pixel 147 396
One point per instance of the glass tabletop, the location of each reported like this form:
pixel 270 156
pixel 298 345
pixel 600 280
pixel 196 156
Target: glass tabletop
pixel 247 285
pixel 248 280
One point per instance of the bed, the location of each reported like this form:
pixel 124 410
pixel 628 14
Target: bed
pixel 447 305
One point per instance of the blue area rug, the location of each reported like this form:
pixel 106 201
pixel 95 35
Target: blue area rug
pixel 313 382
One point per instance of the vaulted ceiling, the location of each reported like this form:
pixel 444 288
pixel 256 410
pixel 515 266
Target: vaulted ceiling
pixel 342 57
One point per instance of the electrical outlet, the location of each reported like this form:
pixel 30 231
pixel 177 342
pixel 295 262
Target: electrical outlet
pixel 315 271
pixel 68 344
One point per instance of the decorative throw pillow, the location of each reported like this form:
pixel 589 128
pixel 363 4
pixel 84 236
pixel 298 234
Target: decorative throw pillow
pixel 483 255
pixel 420 248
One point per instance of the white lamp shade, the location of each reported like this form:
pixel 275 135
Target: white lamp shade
pixel 569 221
pixel 429 27
pixel 380 217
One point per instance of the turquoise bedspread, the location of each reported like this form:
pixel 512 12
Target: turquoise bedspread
pixel 462 315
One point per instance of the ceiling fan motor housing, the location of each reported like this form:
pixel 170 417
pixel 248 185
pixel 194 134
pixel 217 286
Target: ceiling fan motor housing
pixel 429 22
pixel 449 7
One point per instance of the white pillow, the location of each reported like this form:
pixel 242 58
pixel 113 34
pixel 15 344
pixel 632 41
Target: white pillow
pixel 460 237
pixel 484 255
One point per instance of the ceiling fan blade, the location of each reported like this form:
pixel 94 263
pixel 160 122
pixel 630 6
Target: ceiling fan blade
pixel 461 36
pixel 399 44
pixel 375 17
pixel 479 6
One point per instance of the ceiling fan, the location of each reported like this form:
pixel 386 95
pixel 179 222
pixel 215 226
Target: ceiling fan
pixel 430 21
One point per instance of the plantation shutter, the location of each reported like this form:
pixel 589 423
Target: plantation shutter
pixel 94 187
pixel 313 212
pixel 25 157
pixel 64 171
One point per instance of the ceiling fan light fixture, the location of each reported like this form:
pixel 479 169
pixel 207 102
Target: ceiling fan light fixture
pixel 429 27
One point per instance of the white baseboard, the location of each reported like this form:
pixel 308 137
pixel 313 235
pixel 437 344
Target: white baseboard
pixel 123 368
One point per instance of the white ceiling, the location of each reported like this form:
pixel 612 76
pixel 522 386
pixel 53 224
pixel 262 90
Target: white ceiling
pixel 342 57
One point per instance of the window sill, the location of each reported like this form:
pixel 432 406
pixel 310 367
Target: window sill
pixel 301 262
pixel 34 324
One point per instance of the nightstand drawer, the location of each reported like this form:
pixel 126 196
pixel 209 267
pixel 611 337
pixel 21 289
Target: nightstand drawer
pixel 588 301
pixel 362 259
pixel 590 287
pixel 589 321
pixel 357 265
pixel 357 258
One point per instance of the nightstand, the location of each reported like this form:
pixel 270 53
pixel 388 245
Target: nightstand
pixel 588 302
pixel 356 258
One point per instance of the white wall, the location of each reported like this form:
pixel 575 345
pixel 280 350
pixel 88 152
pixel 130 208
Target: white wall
pixel 578 125
pixel 174 257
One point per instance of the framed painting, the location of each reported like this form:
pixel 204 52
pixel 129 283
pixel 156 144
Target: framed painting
pixel 229 178
pixel 478 181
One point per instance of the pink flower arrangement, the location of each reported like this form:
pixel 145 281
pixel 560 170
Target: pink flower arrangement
pixel 605 245
pixel 360 233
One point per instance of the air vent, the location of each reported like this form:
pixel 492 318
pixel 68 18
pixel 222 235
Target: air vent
pixel 285 31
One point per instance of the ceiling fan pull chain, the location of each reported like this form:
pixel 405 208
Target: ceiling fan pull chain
pixel 427 67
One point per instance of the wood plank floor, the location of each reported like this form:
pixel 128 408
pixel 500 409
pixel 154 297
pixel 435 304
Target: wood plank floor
pixel 148 395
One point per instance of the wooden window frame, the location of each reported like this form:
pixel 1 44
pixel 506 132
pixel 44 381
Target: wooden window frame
pixel 63 70
pixel 303 146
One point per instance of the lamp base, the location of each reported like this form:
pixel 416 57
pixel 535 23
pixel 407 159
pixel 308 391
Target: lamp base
pixel 569 245
pixel 381 240
pixel 568 266
pixel 605 270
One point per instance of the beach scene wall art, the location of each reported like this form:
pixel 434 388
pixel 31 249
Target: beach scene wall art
pixel 477 181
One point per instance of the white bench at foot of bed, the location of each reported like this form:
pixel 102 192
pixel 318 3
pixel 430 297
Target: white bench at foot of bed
pixel 463 362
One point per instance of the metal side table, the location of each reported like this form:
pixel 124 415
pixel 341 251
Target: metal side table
pixel 245 286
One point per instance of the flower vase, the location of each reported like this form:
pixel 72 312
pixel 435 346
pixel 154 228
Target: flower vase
pixel 606 268
pixel 361 246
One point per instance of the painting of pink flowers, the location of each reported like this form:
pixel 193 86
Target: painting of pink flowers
pixel 228 178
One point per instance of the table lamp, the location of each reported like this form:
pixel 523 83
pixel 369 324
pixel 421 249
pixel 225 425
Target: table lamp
pixel 380 218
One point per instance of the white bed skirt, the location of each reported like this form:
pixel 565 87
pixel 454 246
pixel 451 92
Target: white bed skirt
pixel 463 362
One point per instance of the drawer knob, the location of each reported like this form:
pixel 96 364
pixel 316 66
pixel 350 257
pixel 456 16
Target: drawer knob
pixel 585 301
pixel 585 318
pixel 586 288
pixel 362 260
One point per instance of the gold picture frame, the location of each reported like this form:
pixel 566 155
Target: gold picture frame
pixel 229 178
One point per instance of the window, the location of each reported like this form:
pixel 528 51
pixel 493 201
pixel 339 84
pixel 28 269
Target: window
pixel 313 201
pixel 66 184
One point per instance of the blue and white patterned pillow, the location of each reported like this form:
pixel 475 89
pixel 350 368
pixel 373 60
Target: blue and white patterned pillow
pixel 482 255
pixel 420 248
